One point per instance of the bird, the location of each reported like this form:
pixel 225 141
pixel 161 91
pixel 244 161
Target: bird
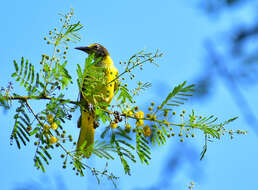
pixel 88 121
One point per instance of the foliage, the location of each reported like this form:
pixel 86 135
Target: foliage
pixel 125 136
pixel 20 132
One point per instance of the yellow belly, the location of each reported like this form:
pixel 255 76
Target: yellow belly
pixel 102 88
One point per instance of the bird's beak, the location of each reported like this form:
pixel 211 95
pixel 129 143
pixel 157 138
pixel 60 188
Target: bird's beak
pixel 85 49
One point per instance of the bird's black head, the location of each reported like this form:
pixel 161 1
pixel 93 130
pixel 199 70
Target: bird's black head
pixel 97 49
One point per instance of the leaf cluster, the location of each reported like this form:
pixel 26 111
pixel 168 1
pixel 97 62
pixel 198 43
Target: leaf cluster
pixel 22 124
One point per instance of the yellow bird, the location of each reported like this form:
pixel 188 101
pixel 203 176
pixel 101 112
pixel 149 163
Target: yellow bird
pixel 87 121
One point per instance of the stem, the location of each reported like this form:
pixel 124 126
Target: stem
pixel 31 110
pixel 25 98
pixel 128 70
pixel 148 119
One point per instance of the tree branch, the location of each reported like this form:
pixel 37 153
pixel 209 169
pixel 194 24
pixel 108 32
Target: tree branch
pixel 25 98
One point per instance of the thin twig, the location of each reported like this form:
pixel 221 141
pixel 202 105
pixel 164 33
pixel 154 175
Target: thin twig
pixel 25 98
pixel 128 70
pixel 31 110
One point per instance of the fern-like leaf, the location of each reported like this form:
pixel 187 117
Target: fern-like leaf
pixel 178 95
pixel 22 121
pixel 142 147
pixel 101 149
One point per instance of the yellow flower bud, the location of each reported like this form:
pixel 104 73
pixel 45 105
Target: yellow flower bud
pixel 113 125
pixel 139 114
pixel 50 118
pixel 139 123
pixel 136 108
pixel 46 127
pixel 146 131
pixel 53 140
pixel 148 115
pixel 127 128
pixel 54 126
pixel 129 113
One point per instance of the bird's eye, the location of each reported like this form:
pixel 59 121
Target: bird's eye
pixel 96 47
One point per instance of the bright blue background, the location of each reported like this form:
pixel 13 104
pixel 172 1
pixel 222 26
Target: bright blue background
pixel 178 29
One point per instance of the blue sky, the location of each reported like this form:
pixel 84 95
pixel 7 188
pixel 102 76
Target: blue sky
pixel 178 29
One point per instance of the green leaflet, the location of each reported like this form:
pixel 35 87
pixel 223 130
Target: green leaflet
pixel 19 132
pixel 180 93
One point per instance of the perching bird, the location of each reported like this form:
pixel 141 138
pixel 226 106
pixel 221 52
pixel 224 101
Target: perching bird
pixel 104 91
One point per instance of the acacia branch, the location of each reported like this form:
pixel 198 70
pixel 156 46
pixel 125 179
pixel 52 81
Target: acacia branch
pixel 26 98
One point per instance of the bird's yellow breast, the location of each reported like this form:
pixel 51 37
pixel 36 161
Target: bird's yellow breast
pixel 105 88
pixel 111 74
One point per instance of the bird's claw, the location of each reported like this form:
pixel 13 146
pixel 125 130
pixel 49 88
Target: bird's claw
pixel 96 124
pixel 90 107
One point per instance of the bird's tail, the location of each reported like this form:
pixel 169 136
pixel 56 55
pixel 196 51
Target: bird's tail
pixel 86 137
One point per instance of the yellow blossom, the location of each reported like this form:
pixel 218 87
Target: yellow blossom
pixel 113 125
pixel 54 126
pixel 127 128
pixel 146 131
pixel 50 118
pixel 139 123
pixel 139 114
pixel 129 113
pixel 46 127
pixel 53 140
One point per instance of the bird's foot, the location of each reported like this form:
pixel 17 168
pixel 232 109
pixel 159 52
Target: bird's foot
pixel 96 124
pixel 90 107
